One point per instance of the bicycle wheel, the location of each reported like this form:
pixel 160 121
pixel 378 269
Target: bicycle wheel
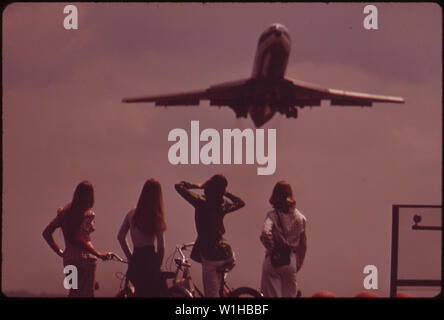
pixel 178 292
pixel 245 292
pixel 125 293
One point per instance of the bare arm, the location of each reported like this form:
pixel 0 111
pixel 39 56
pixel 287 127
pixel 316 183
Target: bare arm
pixel 121 236
pixel 235 203
pixel 85 244
pixel 183 188
pixel 48 236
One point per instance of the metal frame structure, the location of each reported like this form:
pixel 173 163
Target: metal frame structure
pixel 394 281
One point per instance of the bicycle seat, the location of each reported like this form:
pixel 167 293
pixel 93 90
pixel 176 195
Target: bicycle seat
pixel 227 267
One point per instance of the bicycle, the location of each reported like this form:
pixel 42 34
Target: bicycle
pixel 126 289
pixel 183 286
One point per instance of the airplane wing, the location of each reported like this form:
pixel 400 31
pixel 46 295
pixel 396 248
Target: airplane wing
pixel 174 99
pixel 299 93
pixel 240 94
pixel 225 94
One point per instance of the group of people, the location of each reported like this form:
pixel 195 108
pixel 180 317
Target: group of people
pixel 283 237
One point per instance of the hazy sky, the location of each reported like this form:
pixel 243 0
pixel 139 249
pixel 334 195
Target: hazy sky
pixel 63 123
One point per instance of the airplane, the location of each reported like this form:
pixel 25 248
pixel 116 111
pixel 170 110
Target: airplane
pixel 267 91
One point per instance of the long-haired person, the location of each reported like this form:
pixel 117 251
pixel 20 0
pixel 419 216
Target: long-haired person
pixel 76 220
pixel 285 240
pixel 146 224
pixel 210 248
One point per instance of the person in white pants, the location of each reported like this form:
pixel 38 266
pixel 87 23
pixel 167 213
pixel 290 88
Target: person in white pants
pixel 279 282
pixel 210 248
pixel 283 226
pixel 211 277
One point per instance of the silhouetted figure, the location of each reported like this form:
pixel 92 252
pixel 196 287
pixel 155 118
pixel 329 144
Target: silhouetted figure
pixel 210 248
pixel 146 224
pixel 76 220
pixel 285 241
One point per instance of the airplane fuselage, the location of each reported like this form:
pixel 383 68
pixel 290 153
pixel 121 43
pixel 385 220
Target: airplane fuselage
pixel 272 54
pixel 269 68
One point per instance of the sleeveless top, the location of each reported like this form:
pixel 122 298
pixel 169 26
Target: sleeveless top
pixel 139 238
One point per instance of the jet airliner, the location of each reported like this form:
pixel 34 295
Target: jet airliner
pixel 268 91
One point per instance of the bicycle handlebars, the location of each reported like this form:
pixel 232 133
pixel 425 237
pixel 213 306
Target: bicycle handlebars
pixel 185 246
pixel 115 257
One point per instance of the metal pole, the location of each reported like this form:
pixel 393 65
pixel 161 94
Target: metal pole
pixel 395 234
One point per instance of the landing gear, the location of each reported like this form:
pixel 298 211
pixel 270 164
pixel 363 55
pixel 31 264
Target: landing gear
pixel 240 111
pixel 292 112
